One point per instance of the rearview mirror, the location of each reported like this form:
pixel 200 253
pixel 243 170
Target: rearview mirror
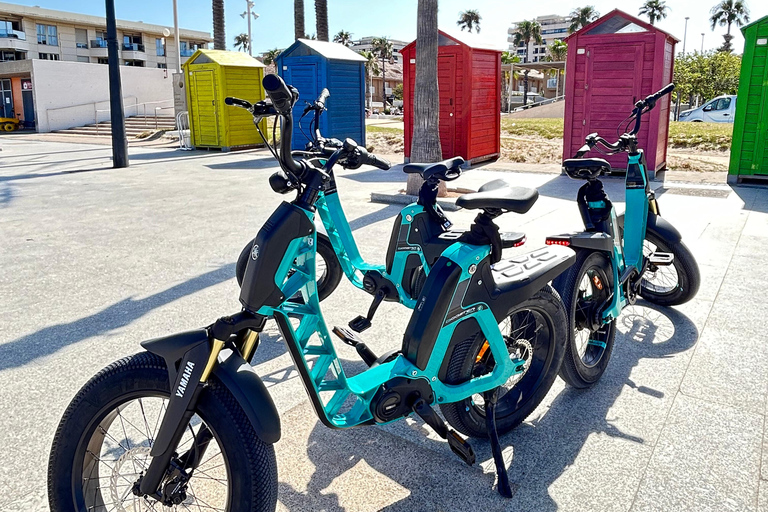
pixel 708 108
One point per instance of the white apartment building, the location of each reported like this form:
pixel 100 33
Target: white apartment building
pixel 553 28
pixel 365 44
pixel 36 33
pixel 50 77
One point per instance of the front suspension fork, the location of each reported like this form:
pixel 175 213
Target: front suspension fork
pixel 192 373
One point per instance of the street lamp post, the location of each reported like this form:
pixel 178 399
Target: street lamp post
pixel 702 42
pixel 685 36
pixel 117 115
pixel 249 14
pixel 176 36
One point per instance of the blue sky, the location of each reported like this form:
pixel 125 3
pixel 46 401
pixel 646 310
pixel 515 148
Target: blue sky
pixel 394 18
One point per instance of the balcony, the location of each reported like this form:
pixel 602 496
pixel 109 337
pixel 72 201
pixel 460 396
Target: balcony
pixel 133 51
pixel 187 53
pixel 13 40
pixel 98 48
pixel 13 34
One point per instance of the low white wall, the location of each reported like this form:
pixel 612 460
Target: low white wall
pixel 69 94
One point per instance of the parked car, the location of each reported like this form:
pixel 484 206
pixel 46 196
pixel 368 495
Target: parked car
pixel 719 110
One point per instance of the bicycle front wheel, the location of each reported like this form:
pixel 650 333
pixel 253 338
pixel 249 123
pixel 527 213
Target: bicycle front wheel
pixel 103 444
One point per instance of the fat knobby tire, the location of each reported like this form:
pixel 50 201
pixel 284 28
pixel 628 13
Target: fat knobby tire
pixel 252 465
pixel 465 418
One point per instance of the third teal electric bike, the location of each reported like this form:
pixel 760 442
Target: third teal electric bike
pixel 618 257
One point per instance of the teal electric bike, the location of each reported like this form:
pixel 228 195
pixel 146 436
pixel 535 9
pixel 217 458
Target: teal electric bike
pixel 618 258
pixel 188 424
pixel 420 233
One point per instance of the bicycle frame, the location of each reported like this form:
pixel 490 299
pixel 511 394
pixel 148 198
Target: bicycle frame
pixel 324 378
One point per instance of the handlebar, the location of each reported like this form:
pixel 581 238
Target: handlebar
pixel 237 102
pixel 320 101
pixel 281 95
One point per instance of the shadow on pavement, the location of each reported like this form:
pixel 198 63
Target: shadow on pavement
pixel 51 339
pixel 754 197
pixel 394 175
pixel 543 449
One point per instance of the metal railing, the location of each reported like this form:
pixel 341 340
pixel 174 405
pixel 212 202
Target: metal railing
pixel 133 47
pixel 539 103
pixel 185 134
pixel 98 43
pixel 136 106
pixel 13 34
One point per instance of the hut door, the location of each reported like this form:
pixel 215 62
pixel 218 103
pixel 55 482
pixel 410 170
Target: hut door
pixel 206 116
pixel 612 86
pixel 760 160
pixel 446 81
pixel 304 78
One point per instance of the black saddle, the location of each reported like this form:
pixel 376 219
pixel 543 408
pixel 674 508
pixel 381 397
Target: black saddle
pixel 447 170
pixel 500 197
pixel 586 168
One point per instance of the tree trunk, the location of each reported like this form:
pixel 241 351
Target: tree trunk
pixel 298 19
pixel 219 37
pixel 525 88
pixel 383 84
pixel 321 19
pixel 425 145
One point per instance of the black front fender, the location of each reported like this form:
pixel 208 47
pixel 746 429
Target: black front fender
pixel 659 226
pixel 233 371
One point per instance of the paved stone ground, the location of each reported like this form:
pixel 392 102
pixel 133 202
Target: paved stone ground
pixel 95 260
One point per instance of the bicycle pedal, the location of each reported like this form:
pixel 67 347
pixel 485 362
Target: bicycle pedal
pixel 351 338
pixel 661 259
pixel 461 448
pixel 347 336
pixel 359 324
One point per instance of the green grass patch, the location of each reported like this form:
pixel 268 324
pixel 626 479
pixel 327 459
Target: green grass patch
pixel 544 128
pixel 383 129
pixel 702 136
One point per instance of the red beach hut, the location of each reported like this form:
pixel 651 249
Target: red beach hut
pixel 613 62
pixel 469 78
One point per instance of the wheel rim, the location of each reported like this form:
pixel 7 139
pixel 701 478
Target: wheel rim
pixel 527 333
pixel 117 452
pixel 592 292
pixel 661 280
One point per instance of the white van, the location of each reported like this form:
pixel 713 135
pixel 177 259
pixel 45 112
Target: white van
pixel 720 110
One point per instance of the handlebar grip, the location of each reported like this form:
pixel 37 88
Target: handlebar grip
pixel 376 161
pixel 663 92
pixel 278 92
pixel 237 102
pixel 320 102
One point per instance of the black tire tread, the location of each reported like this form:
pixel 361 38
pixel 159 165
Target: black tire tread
pixel 454 413
pixel 260 456
pixel 687 267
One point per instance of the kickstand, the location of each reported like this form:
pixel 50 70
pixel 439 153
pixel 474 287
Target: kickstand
pixel 491 398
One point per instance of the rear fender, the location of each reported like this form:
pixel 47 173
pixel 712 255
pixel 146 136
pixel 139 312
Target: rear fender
pixel 592 240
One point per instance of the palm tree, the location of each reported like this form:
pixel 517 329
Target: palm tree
pixel 343 37
pixel 508 58
pixel 581 17
pixel 270 56
pixel 241 42
pixel 219 37
pixel 371 70
pixel 727 13
pixel 425 144
pixel 321 19
pixel 469 19
pixel 383 49
pixel 656 10
pixel 558 51
pixel 298 19
pixel 527 30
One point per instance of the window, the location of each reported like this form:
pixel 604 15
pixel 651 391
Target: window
pixel 135 63
pixel 48 56
pixel 160 46
pixel 11 29
pixel 81 38
pixel 133 43
pixel 161 66
pixel 82 58
pixel 721 104
pixel 103 60
pixel 47 34
pixel 100 41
